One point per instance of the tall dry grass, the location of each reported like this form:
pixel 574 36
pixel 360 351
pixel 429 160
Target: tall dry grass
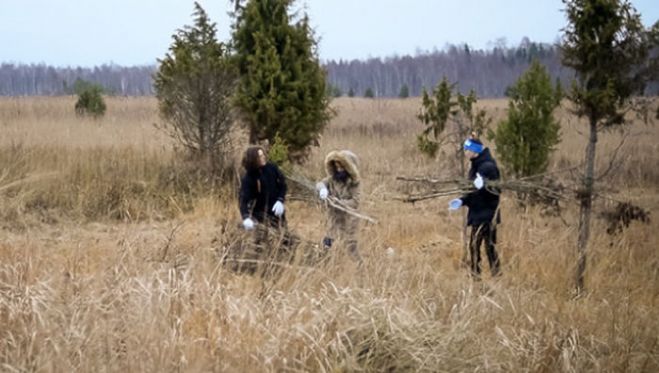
pixel 108 260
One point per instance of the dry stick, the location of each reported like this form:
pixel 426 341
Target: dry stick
pixel 413 199
pixel 428 180
pixel 333 202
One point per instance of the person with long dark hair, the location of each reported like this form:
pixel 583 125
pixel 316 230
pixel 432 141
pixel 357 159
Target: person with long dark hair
pixel 262 191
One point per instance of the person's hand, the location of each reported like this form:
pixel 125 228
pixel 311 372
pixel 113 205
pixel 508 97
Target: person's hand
pixel 478 181
pixel 278 209
pixel 248 224
pixel 323 193
pixel 455 204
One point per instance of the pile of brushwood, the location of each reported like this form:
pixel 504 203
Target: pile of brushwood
pixel 545 190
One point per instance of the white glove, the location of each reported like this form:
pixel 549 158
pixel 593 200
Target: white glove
pixel 323 193
pixel 478 181
pixel 248 224
pixel 278 209
pixel 455 204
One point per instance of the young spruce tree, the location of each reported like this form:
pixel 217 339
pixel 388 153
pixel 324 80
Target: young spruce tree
pixel 194 84
pixel 449 118
pixel 404 91
pixel 609 50
pixel 90 99
pixel 281 91
pixel 526 138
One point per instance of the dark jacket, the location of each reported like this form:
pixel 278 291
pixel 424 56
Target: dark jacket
pixel 259 190
pixel 483 204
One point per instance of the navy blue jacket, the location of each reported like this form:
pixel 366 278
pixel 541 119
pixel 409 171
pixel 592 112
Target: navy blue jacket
pixel 483 205
pixel 260 189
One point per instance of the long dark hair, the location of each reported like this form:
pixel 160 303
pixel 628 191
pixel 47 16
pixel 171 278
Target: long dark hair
pixel 251 158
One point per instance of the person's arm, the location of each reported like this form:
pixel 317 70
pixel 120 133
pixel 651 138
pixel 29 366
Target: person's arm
pixel 353 201
pixel 488 172
pixel 324 181
pixel 246 196
pixel 322 188
pixel 281 185
pixel 467 198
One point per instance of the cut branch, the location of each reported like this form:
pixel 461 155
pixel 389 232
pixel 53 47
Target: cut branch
pixel 331 201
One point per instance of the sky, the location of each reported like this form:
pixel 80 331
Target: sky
pixel 137 32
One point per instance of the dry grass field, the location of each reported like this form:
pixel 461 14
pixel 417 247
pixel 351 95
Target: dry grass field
pixel 108 259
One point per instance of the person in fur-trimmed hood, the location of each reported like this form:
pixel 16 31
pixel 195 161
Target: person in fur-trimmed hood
pixel 342 185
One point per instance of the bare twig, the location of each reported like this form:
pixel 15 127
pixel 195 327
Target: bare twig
pixel 165 249
pixel 562 170
pixel 331 201
pixel 300 198
pixel 613 158
pixel 335 203
pixel 422 179
pixel 417 198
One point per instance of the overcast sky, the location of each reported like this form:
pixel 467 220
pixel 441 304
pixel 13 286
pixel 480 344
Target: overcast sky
pixel 136 32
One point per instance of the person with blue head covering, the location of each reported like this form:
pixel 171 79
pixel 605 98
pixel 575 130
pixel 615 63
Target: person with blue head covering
pixel 483 204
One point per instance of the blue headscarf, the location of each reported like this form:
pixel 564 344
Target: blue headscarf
pixel 474 145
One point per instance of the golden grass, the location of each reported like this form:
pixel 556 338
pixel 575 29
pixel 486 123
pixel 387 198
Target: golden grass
pixel 108 261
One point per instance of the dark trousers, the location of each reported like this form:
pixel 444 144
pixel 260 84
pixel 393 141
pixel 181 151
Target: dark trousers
pixel 485 232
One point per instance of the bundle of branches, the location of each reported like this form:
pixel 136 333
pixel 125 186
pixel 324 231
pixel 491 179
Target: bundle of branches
pixel 309 187
pixel 540 188
pixel 545 189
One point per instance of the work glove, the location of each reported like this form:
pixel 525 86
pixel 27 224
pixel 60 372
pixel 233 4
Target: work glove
pixel 455 204
pixel 479 181
pixel 278 209
pixel 323 193
pixel 248 224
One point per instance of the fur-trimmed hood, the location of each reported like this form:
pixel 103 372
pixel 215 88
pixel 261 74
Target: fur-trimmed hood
pixel 348 160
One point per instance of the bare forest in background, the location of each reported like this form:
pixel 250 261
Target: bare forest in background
pixel 44 80
pixel 488 72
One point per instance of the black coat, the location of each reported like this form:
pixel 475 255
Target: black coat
pixel 260 189
pixel 483 204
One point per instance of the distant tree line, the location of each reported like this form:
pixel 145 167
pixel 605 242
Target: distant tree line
pixel 44 80
pixel 488 72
